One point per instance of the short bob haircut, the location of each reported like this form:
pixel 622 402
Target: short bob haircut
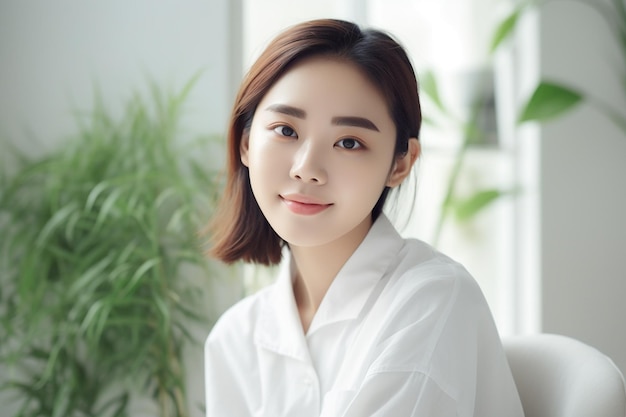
pixel 239 231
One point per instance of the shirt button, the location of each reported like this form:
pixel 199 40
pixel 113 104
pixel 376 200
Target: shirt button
pixel 307 381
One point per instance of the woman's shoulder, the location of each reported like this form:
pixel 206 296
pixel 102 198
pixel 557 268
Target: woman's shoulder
pixel 431 292
pixel 431 306
pixel 421 267
pixel 239 320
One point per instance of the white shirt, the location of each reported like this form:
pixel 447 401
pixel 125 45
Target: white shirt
pixel 402 331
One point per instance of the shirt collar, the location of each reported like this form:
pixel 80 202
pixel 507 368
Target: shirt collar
pixel 281 330
pixel 355 281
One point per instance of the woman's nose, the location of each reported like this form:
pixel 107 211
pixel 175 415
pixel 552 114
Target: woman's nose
pixel 308 165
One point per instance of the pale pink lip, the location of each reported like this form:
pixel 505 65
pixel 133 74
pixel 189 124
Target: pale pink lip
pixel 302 204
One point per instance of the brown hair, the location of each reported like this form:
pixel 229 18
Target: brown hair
pixel 239 229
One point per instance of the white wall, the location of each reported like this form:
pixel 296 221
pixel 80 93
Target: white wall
pixel 583 186
pixel 52 53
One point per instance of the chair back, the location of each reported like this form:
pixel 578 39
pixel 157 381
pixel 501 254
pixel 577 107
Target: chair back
pixel 558 376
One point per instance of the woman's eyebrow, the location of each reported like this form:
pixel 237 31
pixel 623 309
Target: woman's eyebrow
pixel 288 110
pixel 354 121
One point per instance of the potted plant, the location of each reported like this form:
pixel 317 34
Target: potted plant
pixel 100 254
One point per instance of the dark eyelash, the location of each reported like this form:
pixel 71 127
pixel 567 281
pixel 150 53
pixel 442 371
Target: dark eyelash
pixel 278 127
pixel 356 141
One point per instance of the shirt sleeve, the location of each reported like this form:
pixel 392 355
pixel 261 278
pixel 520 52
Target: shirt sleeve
pixel 229 367
pixel 222 396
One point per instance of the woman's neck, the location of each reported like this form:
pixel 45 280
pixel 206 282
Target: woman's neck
pixel 316 268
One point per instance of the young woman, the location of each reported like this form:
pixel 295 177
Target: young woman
pixel 360 322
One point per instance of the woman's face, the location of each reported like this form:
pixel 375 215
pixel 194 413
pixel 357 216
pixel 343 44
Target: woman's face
pixel 320 151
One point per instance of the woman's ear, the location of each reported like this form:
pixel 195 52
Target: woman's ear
pixel 243 147
pixel 403 164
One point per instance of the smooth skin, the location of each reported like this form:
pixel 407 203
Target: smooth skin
pixel 320 152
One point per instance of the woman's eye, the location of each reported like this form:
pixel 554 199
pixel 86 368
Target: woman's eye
pixel 285 131
pixel 349 143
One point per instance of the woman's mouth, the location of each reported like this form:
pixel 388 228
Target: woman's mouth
pixel 304 205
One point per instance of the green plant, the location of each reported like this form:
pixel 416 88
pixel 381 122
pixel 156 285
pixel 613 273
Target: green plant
pixel 101 271
pixel 472 132
pixel 552 99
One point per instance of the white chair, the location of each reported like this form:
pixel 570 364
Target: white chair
pixel 558 376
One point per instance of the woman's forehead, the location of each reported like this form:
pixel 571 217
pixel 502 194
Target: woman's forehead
pixel 327 85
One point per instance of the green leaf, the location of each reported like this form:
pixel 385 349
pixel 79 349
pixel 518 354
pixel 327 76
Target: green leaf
pixel 468 208
pixel 548 101
pixel 504 29
pixel 48 373
pixel 55 223
pixel 61 399
pixel 165 314
pixel 95 321
pixel 70 227
pixel 87 280
pixel 428 82
pixel 94 194
pixel 139 274
pixel 119 403
pixel 108 206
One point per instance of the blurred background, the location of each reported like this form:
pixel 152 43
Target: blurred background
pixel 535 210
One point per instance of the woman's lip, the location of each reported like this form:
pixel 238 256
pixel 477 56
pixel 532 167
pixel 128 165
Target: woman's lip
pixel 300 204
pixel 304 199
